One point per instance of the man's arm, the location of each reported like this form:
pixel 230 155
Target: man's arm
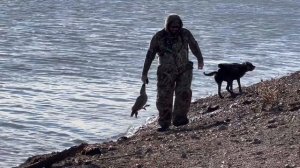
pixel 193 44
pixel 149 58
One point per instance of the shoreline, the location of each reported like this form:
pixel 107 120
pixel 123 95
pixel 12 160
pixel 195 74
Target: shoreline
pixel 260 128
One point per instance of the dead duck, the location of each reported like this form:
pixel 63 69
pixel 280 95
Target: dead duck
pixel 140 102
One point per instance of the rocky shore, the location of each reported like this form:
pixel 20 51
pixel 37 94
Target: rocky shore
pixel 259 128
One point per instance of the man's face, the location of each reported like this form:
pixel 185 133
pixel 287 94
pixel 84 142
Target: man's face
pixel 174 27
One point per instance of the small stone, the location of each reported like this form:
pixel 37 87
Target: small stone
pixel 259 153
pixel 235 105
pixel 233 135
pixel 212 108
pixel 88 164
pixel 289 166
pixel 122 139
pixel 247 102
pixel 272 121
pixel 183 155
pixel 91 151
pixel 235 141
pixel 149 151
pixel 294 108
pixel 222 127
pixel 256 141
pixel 195 137
pixel 171 146
pixel 272 126
pixel 112 148
pixel 139 165
pixel 148 139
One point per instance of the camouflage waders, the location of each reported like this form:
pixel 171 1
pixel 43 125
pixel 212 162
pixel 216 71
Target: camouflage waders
pixel 168 81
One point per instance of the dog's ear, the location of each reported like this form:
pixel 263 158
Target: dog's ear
pixel 248 64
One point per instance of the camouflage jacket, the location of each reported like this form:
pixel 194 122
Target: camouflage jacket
pixel 172 49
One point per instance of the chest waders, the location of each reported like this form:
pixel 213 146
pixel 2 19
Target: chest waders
pixel 174 77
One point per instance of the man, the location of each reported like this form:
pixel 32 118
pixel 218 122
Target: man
pixel 174 72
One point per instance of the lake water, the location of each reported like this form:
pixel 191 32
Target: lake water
pixel 70 70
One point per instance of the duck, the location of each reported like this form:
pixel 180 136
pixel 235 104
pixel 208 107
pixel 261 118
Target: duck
pixel 140 102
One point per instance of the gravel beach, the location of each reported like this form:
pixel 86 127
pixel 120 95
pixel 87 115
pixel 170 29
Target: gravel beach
pixel 259 128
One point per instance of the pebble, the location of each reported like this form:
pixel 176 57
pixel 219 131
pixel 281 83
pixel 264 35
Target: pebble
pixel 183 155
pixel 122 139
pixel 195 137
pixel 256 141
pixel 92 151
pixel 112 148
pixel 247 102
pixel 259 153
pixel 212 108
pixel 272 126
pixel 272 120
pixel 139 165
pixel 235 105
pixel 289 166
pixel 222 127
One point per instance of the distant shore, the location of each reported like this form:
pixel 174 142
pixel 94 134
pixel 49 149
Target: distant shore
pixel 259 128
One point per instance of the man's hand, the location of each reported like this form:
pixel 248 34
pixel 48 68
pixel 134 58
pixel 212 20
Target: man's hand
pixel 200 65
pixel 145 79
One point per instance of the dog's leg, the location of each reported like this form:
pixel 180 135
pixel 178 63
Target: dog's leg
pixel 219 90
pixel 239 83
pixel 229 85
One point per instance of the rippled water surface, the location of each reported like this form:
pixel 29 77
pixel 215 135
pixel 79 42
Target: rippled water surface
pixel 70 70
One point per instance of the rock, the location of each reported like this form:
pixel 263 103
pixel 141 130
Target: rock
pixel 122 139
pixel 289 166
pixel 256 141
pixel 195 136
pixel 294 108
pixel 273 120
pixel 272 126
pixel 140 153
pixel 91 151
pixel 149 151
pixel 183 155
pixel 222 127
pixel 259 153
pixel 88 164
pixel 247 102
pixel 139 165
pixel 148 139
pixel 235 141
pixel 111 148
pixel 234 105
pixel 211 109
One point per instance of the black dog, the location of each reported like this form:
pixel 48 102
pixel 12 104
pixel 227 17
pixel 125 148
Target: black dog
pixel 229 73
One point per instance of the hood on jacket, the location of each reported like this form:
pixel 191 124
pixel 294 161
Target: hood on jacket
pixel 171 18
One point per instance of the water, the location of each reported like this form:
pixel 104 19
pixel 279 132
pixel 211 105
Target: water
pixel 70 70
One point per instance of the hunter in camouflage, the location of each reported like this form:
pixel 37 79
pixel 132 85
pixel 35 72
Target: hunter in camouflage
pixel 175 71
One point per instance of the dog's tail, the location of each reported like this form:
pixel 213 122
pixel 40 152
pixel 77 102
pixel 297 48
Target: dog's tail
pixel 210 74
